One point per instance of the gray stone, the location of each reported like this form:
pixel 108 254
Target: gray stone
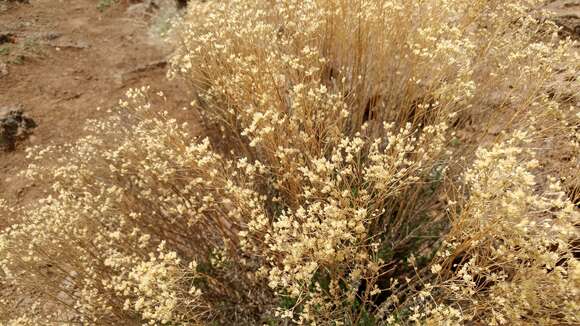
pixel 15 126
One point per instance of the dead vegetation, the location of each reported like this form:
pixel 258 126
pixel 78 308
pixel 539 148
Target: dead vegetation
pixel 361 163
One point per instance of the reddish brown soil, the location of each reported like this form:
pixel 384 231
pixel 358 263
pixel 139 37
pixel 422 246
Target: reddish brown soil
pixel 66 60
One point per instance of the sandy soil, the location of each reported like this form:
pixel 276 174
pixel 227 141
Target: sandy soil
pixel 65 59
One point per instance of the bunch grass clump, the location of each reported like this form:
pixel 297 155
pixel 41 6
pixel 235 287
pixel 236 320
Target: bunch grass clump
pixel 362 162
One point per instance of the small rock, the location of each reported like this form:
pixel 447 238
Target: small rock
pixel 495 129
pixel 181 3
pixel 3 69
pixel 7 38
pixel 15 126
pixel 49 36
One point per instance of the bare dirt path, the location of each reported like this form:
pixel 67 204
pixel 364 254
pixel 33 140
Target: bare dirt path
pixel 61 60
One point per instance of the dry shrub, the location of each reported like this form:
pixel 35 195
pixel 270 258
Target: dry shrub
pixel 367 162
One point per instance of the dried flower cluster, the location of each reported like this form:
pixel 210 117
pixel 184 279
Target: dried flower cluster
pixel 364 162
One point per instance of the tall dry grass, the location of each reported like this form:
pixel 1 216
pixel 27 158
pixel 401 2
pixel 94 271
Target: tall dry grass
pixel 366 162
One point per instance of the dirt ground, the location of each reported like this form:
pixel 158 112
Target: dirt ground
pixel 61 60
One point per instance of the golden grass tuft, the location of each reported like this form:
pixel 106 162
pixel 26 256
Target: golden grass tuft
pixel 364 163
